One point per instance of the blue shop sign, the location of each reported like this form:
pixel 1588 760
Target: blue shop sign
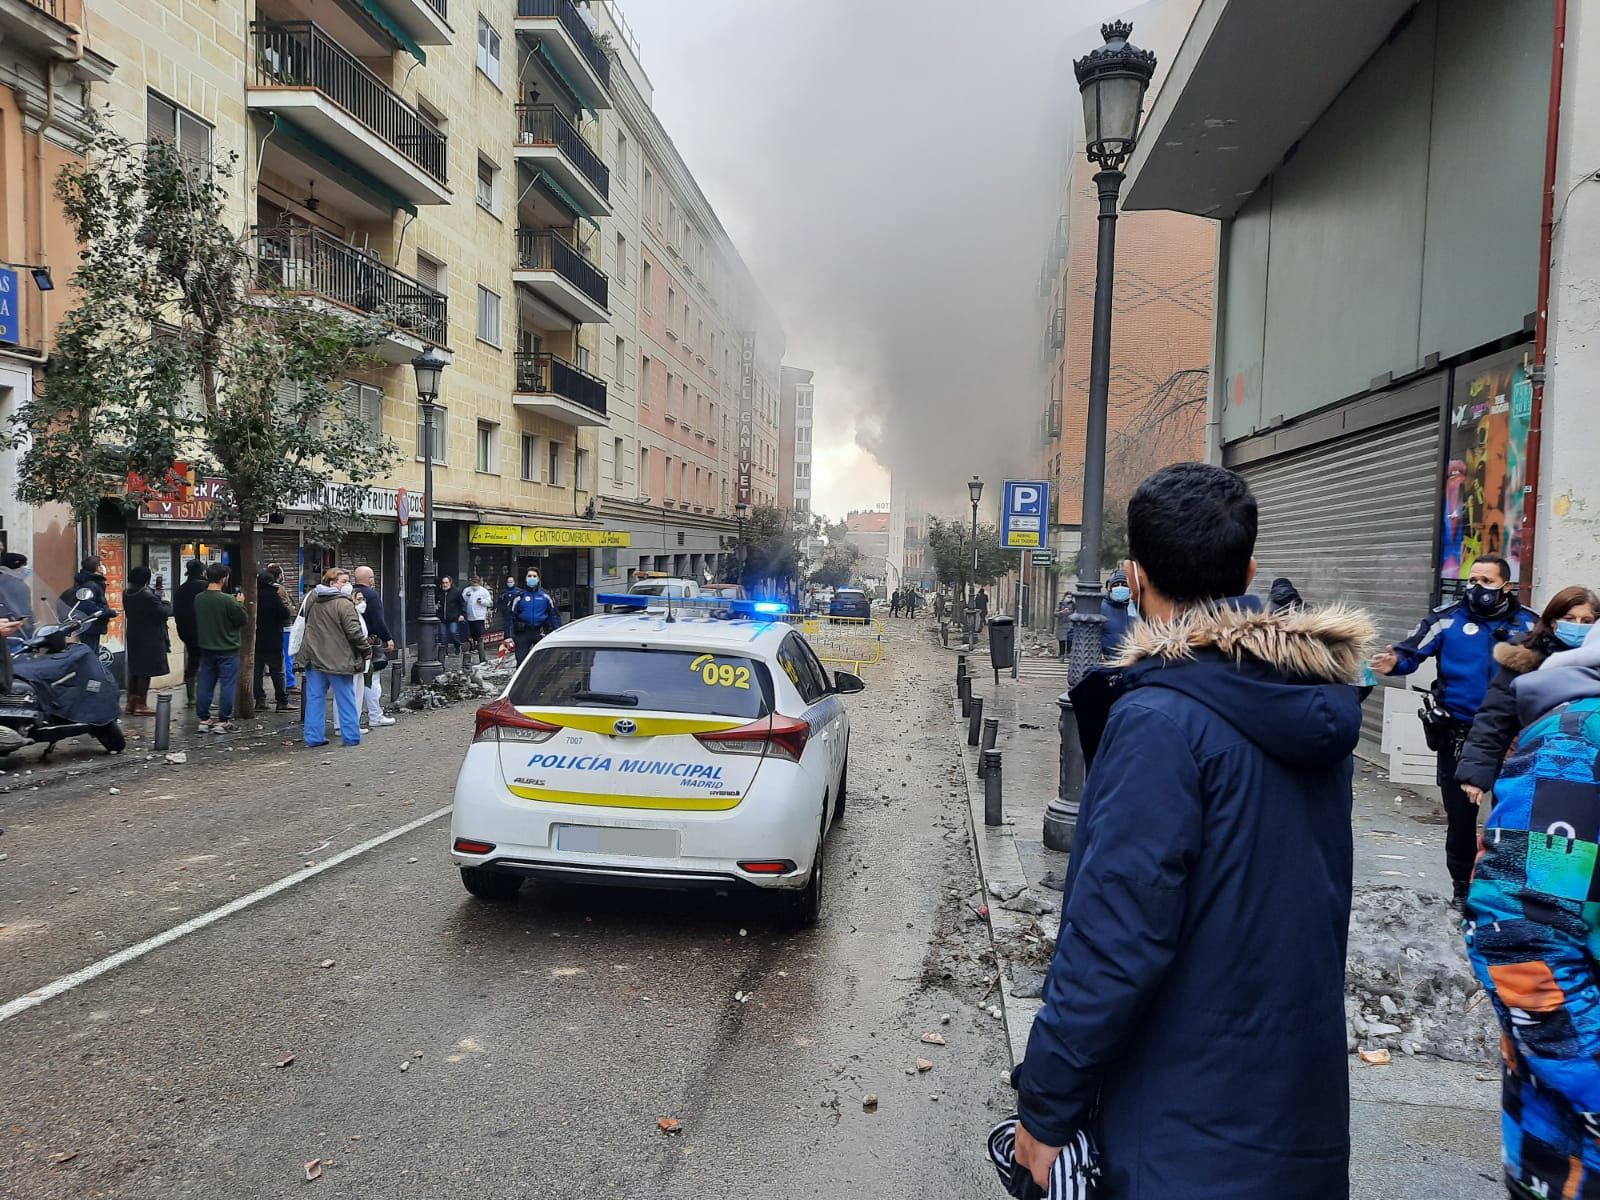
pixel 10 321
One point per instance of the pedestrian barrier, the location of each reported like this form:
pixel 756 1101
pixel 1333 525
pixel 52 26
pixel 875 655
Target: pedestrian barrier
pixel 853 642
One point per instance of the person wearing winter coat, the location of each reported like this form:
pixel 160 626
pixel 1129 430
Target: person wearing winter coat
pixel 194 582
pixel 1118 618
pixel 272 614
pixel 332 650
pixel 533 614
pixel 96 611
pixel 1530 925
pixel 1064 610
pixel 1562 625
pixel 147 614
pixel 1193 1020
pixel 452 613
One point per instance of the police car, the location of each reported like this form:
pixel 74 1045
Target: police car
pixel 701 744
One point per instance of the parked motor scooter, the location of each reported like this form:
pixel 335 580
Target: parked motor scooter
pixel 60 689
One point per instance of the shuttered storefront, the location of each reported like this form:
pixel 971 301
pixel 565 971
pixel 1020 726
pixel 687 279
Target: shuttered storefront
pixel 1354 520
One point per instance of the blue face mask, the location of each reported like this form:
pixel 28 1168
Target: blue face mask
pixel 1121 594
pixel 1572 633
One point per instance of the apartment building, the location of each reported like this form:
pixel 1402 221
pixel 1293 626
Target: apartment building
pixel 693 354
pixel 47 73
pixel 433 164
pixel 796 407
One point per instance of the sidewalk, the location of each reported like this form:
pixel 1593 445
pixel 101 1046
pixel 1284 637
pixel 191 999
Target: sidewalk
pixel 1422 1125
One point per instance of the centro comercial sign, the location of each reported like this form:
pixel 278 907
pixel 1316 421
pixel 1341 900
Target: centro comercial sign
pixel 546 535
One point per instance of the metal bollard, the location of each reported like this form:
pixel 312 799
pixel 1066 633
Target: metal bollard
pixel 974 720
pixel 961 667
pixel 991 788
pixel 396 682
pixel 991 731
pixel 163 721
pixel 964 691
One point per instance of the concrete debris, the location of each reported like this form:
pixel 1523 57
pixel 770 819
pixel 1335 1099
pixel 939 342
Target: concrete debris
pixel 924 1065
pixel 1054 880
pixel 452 687
pixel 933 1039
pixel 1027 903
pixel 869 1103
pixel 669 1125
pixel 1026 982
pixel 313 1170
pixel 1006 893
pixel 177 756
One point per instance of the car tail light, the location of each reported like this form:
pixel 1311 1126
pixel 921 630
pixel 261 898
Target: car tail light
pixel 501 721
pixel 779 735
pixel 767 866
pixel 468 846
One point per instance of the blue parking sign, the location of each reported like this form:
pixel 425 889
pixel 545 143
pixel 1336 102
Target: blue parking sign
pixel 1025 514
pixel 10 324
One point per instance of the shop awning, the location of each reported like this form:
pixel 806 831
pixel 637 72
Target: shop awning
pixel 542 178
pixel 389 25
pixel 566 80
pixel 340 163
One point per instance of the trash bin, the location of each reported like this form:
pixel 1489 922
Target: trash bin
pixel 1002 642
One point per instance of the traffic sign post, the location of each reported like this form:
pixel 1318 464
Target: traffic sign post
pixel 1024 526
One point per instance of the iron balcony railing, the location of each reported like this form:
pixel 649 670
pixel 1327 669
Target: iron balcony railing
pixel 546 250
pixel 1058 329
pixel 547 375
pixel 305 260
pixel 300 54
pixel 545 125
pixel 440 7
pixel 566 12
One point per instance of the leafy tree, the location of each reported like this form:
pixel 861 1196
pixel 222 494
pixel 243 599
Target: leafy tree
pixel 837 565
pixel 950 547
pixel 771 550
pixel 178 352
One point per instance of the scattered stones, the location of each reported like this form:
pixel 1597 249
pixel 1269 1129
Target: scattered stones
pixel 933 1039
pixel 1027 983
pixel 869 1103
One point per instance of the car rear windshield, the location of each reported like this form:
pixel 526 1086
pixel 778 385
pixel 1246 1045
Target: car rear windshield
pixel 624 678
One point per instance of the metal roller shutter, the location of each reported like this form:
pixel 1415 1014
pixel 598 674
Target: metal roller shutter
pixel 1353 520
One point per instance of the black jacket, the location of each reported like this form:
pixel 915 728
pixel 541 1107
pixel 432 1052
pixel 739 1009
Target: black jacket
pixel 183 607
pixel 376 625
pixel 1496 726
pixel 146 614
pixel 1194 1013
pixel 99 606
pixel 453 602
pixel 272 614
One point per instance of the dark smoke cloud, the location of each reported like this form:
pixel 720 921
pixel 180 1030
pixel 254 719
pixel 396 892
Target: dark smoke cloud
pixel 889 169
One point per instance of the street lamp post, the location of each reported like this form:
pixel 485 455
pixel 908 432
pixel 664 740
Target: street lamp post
pixel 1113 80
pixel 975 492
pixel 741 511
pixel 428 366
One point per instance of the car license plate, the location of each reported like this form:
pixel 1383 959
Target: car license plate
pixel 611 839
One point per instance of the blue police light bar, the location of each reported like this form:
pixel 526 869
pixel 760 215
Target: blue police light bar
pixel 765 609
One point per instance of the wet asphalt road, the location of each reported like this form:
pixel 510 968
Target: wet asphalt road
pixel 543 1040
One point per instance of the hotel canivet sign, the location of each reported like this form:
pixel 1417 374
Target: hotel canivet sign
pixel 747 412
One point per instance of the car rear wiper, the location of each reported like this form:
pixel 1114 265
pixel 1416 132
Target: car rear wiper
pixel 619 698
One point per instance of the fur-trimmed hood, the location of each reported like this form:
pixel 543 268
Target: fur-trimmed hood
pixel 1327 645
pixel 1281 680
pixel 1521 657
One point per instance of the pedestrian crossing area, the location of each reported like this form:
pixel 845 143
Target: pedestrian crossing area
pixel 1047 667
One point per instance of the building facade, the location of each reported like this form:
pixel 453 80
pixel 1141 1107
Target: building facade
pixel 1398 377
pixel 796 410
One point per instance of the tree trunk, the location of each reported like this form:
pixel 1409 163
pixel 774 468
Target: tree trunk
pixel 245 704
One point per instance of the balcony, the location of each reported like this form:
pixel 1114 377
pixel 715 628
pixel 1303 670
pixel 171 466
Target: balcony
pixel 307 262
pixel 567 40
pixel 550 267
pixel 426 22
pixel 304 77
pixel 555 388
pixel 1058 329
pixel 548 142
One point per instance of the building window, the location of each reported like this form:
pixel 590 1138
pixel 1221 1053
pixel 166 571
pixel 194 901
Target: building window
pixel 488 316
pixel 167 122
pixel 802 473
pixel 683 482
pixel 530 457
pixel 583 358
pixel 685 320
pixel 553 475
pixel 648 192
pixel 622 261
pixel 666 480
pixel 364 403
pixel 430 272
pixel 488 184
pixel 672 304
pixel 441 443
pixel 488 441
pixel 618 360
pixel 644 381
pixel 700 336
pixel 802 435
pixel 683 411
pixel 488 51
pixel 616 460
pixel 644 472
pixel 671 395
pixel 580 470
pixel 622 157
pixel 646 284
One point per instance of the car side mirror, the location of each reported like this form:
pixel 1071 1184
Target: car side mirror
pixel 846 684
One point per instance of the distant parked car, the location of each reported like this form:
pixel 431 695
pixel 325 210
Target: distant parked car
pixel 676 589
pixel 725 591
pixel 850 602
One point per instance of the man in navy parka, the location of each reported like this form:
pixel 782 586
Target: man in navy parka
pixel 1193 1019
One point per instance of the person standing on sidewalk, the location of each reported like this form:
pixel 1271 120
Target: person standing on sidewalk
pixel 1193 1018
pixel 533 614
pixel 193 584
pixel 272 614
pixel 478 604
pixel 1530 924
pixel 332 650
pixel 382 642
pixel 96 611
pixel 452 612
pixel 219 633
pixel 147 614
pixel 1462 635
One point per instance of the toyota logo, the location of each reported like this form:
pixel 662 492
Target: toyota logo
pixel 625 727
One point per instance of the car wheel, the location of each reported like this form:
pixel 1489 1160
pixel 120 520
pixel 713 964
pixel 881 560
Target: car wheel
pixel 490 885
pixel 844 789
pixel 805 906
pixel 111 737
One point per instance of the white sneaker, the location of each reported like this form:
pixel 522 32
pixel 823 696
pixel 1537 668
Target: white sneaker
pixel 376 721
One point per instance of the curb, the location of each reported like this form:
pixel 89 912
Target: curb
pixel 999 865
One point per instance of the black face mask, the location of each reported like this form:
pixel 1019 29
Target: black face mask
pixel 1485 601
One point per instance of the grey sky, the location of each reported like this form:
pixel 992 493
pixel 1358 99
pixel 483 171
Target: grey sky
pixel 888 168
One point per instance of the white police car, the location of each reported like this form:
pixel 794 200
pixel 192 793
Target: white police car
pixel 698 746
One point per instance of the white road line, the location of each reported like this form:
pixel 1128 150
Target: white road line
pixel 122 957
